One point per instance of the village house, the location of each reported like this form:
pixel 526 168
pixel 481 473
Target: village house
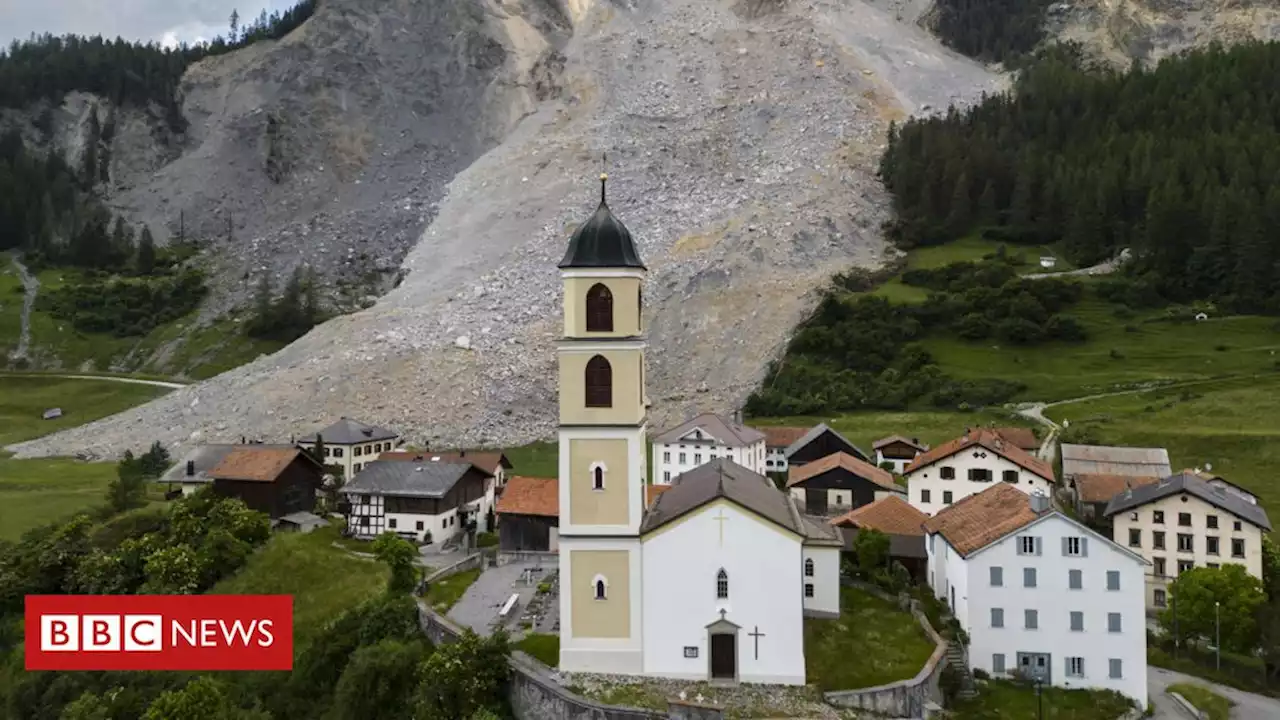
pixel 1022 438
pixel 529 515
pixel 838 483
pixel 275 480
pixel 494 462
pixel 776 441
pixel 703 439
pixel 970 464
pixel 191 472
pixel 1222 483
pixel 819 442
pixel 1093 474
pixel 1039 593
pixel 903 524
pixel 351 444
pixel 897 451
pixel 429 501
pixel 1182 522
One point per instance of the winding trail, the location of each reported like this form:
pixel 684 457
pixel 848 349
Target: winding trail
pixel 110 378
pixel 31 288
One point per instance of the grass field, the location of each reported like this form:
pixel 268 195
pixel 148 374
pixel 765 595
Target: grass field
pixel 444 594
pixel 969 249
pixel 1205 700
pixel 889 643
pixel 542 647
pixel 323 580
pixel 24 398
pixel 1005 700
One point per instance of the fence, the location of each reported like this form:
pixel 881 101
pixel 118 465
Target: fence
pixel 904 698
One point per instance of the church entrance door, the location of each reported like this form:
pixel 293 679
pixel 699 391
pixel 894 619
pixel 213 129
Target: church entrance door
pixel 724 656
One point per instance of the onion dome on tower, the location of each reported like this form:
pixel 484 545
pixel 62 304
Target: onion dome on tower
pixel 602 241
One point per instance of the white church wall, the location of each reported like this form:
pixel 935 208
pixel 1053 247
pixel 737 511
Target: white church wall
pixel 825 581
pixel 762 561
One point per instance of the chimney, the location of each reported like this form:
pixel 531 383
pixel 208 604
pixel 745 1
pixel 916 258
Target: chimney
pixel 191 468
pixel 737 417
pixel 1039 503
pixel 242 440
pixel 462 453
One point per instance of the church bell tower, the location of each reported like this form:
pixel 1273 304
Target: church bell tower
pixel 602 470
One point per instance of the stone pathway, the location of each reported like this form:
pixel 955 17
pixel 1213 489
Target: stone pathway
pixel 479 605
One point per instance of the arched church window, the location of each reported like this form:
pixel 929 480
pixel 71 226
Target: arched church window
pixel 599 383
pixel 722 585
pixel 600 587
pixel 640 307
pixel 597 476
pixel 808 567
pixel 599 309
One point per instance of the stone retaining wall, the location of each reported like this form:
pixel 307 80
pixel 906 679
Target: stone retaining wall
pixel 470 562
pixel 905 698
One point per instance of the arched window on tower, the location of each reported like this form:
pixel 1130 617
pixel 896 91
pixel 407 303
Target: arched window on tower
pixel 597 476
pixel 722 585
pixel 600 587
pixel 599 309
pixel 599 383
pixel 640 308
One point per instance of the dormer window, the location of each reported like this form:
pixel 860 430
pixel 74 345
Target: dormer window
pixel 599 309
pixel 599 383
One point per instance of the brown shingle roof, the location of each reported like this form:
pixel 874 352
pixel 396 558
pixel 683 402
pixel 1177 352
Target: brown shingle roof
pixel 1024 438
pixel 487 460
pixel 530 496
pixel 1100 488
pixel 257 464
pixel 890 514
pixel 979 520
pixel 883 478
pixel 990 441
pixel 782 437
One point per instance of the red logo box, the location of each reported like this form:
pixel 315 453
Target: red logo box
pixel 159 632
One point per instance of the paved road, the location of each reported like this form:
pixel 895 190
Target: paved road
pixel 1247 705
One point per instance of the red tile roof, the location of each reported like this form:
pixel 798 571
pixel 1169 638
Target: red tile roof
pixel 991 441
pixel 256 464
pixel 883 478
pixel 781 437
pixel 1024 438
pixel 979 520
pixel 530 496
pixel 1100 488
pixel 890 515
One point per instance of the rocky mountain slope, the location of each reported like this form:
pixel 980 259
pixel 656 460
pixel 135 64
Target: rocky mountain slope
pixel 1148 30
pixel 742 139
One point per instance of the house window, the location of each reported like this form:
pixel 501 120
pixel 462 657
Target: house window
pixel 357 451
pixel 1028 545
pixel 337 452
pixel 666 457
pixel 1073 546
pixel 1157 540
pixel 1011 476
pixel 1159 568
pixel 364 521
pixel 1115 668
pixel 1075 667
pixel 666 476
pixel 1031 618
pixel 1075 580
pixel 722 585
pixel 1211 545
pixel 328 452
pixel 946 497
pixel 365 499
pixel 808 567
pixel 1077 621
pixel 697 458
pixel 1184 519
pixel 948 473
pixel 1236 526
pixel 1113 622
pixel 808 590
pixel 1135 538
pixel 997 663
pixel 682 458
pixel 599 382
pixel 391 523
pixel 599 309
pixel 419 525
pixel 924 496
pixel 601 587
pixel 1158 598
pixel 1028 577
pixel 1211 522
pixel 979 475
pixel 597 476
pixel 997 577
pixel 1212 565
pixel 1157 516
pixel 1113 579
pixel 1186 542
pixel 997 617
pixel 444 523
pixel 1237 547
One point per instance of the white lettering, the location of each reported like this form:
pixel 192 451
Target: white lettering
pixel 188 635
pixel 209 633
pixel 142 633
pixel 100 632
pixel 237 628
pixel 59 632
pixel 264 629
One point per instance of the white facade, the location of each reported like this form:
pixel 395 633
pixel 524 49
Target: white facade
pixel 947 481
pixel 352 458
pixel 775 460
pixel 368 519
pixel 821 581
pixel 899 464
pixel 764 564
pixel 1053 590
pixel 699 447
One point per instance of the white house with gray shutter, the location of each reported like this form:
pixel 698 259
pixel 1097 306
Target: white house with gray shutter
pixel 1041 594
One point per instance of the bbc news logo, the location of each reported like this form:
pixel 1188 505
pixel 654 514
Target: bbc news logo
pixel 159 632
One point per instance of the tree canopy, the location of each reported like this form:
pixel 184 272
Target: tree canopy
pixel 1207 602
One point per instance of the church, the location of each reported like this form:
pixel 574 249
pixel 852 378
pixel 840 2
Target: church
pixel 713 580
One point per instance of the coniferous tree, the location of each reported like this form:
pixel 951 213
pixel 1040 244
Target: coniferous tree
pixel 146 252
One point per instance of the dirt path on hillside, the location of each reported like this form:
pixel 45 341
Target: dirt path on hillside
pixel 31 288
pixel 108 378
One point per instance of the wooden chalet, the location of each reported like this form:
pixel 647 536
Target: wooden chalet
pixel 838 483
pixel 893 516
pixel 276 481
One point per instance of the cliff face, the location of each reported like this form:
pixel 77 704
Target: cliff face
pixel 1148 30
pixel 742 141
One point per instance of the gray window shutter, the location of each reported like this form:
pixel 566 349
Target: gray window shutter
pixel 1077 620
pixel 1066 546
pixel 1115 668
pixel 1028 577
pixel 997 663
pixel 1084 547
pixel 1113 579
pixel 1075 579
pixel 1032 621
pixel 1113 622
pixel 997 617
pixel 997 576
pixel 1039 545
